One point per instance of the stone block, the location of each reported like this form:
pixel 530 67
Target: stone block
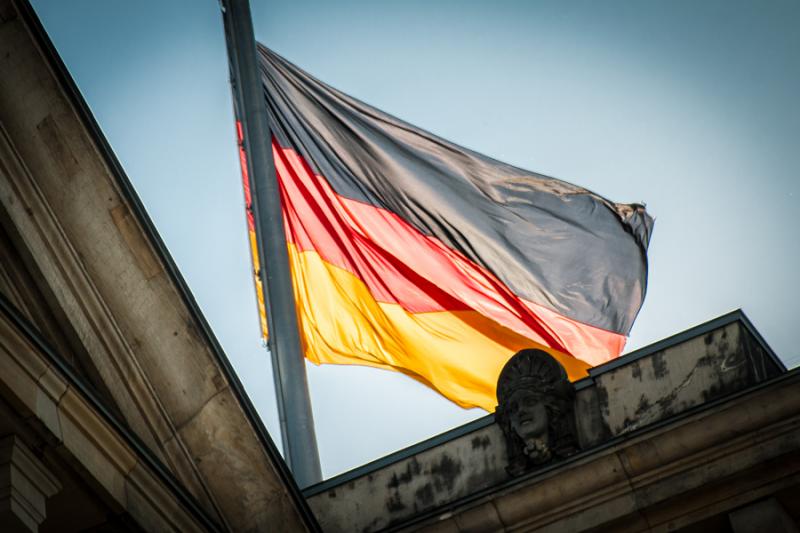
pixel 180 463
pixel 679 377
pixel 51 389
pixel 19 369
pixel 153 507
pixel 600 478
pixel 236 469
pixel 469 463
pixel 81 430
pixel 480 519
pixel 25 485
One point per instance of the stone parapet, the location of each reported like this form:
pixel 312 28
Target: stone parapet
pixel 620 402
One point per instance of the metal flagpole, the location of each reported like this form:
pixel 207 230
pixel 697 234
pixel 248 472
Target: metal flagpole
pixel 294 404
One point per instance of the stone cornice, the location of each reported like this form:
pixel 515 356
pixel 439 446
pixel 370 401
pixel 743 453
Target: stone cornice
pixel 80 299
pixel 666 476
pixel 135 481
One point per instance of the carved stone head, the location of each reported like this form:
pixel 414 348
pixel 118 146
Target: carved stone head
pixel 535 410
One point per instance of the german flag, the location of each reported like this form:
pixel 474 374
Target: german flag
pixel 413 254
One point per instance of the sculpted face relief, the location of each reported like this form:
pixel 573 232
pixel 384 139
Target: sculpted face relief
pixel 535 410
pixel 528 418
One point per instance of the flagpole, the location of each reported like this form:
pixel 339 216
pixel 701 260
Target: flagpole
pixel 288 364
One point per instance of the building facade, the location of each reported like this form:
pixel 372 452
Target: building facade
pixel 119 410
pixel 699 432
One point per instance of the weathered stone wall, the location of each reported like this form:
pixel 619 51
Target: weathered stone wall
pixel 634 392
pixel 408 487
pixel 115 290
pixel 681 376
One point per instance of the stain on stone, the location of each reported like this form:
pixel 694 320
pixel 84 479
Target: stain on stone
pixel 636 371
pixel 415 468
pixel 709 338
pixel 412 469
pixel 481 480
pixel 331 494
pixel 643 407
pixel 665 402
pixel 659 366
pixel 445 472
pixel 711 393
pixel 395 504
pixel 481 442
pixel 724 344
pixel 219 381
pixel 56 143
pixel 192 332
pixel 129 230
pixel 424 495
pixel 665 406
pixel 602 399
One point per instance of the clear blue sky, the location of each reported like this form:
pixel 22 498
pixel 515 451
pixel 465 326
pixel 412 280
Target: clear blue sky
pixel 689 106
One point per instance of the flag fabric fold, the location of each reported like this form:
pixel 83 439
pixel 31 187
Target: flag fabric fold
pixel 413 254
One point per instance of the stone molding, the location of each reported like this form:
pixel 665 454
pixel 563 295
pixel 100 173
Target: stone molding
pixel 665 478
pixel 64 272
pixel 87 437
pixel 25 485
pixel 695 370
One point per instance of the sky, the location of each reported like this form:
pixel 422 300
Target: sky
pixel 688 106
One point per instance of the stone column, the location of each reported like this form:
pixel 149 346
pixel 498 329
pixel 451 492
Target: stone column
pixel 25 485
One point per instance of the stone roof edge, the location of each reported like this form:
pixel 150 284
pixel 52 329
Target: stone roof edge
pixel 75 97
pixel 88 393
pixel 736 315
pixel 695 331
pixel 614 443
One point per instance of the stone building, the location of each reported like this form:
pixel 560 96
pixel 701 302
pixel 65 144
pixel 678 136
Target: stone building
pixel 118 409
pixel 120 412
pixel 699 432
